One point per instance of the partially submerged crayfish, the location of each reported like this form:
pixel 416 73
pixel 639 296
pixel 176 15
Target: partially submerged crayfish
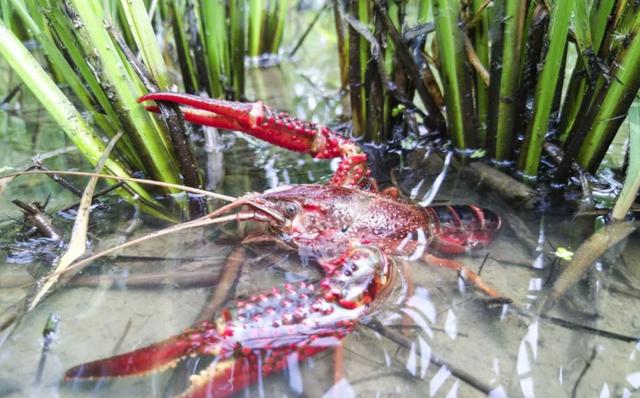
pixel 347 228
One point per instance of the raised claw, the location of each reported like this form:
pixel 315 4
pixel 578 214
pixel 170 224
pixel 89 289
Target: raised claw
pixel 275 127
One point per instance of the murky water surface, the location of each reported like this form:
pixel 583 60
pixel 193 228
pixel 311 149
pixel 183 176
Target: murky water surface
pixel 431 335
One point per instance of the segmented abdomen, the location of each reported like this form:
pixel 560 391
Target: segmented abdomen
pixel 459 228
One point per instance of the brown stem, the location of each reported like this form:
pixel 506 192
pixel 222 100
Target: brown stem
pixel 34 215
pixel 584 257
pixel 506 186
pixel 404 342
pixel 435 114
pixel 224 283
pixel 475 61
pixel 205 278
pixel 175 122
pixel 477 16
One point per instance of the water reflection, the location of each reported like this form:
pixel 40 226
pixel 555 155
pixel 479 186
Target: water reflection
pixel 527 356
pixel 451 325
pixel 438 380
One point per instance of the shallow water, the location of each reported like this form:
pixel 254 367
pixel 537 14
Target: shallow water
pixel 433 336
pixel 438 339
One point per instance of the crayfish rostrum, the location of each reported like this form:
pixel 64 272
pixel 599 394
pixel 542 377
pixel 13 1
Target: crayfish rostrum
pixel 346 227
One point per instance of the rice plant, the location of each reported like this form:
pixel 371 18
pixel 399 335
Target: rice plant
pixel 213 38
pixel 502 77
pixel 379 69
pixel 109 53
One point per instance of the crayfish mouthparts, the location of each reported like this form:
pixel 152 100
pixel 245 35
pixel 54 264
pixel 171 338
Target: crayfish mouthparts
pixel 364 273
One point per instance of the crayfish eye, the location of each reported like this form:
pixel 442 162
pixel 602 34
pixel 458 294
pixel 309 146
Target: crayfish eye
pixel 291 209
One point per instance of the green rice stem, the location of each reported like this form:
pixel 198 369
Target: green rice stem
pixel 144 36
pixel 545 90
pixel 119 77
pixel 505 74
pixel 619 95
pixel 632 180
pixel 64 113
pixel 455 73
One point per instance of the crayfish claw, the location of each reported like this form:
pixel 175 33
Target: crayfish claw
pixel 150 359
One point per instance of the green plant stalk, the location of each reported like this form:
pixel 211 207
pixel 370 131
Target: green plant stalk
pixel 144 36
pixel 75 54
pixel 121 21
pixel 11 20
pixel 268 26
pixel 461 118
pixel 578 84
pixel 114 72
pixel 598 19
pixel 256 9
pixel 212 15
pixel 423 11
pixel 33 10
pixel 536 25
pixel 582 30
pixel 545 89
pixel 173 121
pixel 576 91
pixel 557 99
pixel 364 53
pixel 63 112
pixel 176 10
pixel 35 14
pixel 197 44
pixel 343 43
pixel 393 11
pixel 280 17
pixel 57 59
pixel 109 121
pixel 505 72
pixel 112 8
pixel 7 13
pixel 54 55
pixel 222 27
pixel 623 16
pixel 165 11
pixel 481 45
pixel 619 96
pixel 357 69
pixel 632 180
pixel 237 16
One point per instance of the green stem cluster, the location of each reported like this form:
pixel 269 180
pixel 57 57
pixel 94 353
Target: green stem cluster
pixel 108 54
pixel 511 100
pixel 214 36
pixel 67 116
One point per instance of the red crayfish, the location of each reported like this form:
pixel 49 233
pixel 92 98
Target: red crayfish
pixel 346 227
